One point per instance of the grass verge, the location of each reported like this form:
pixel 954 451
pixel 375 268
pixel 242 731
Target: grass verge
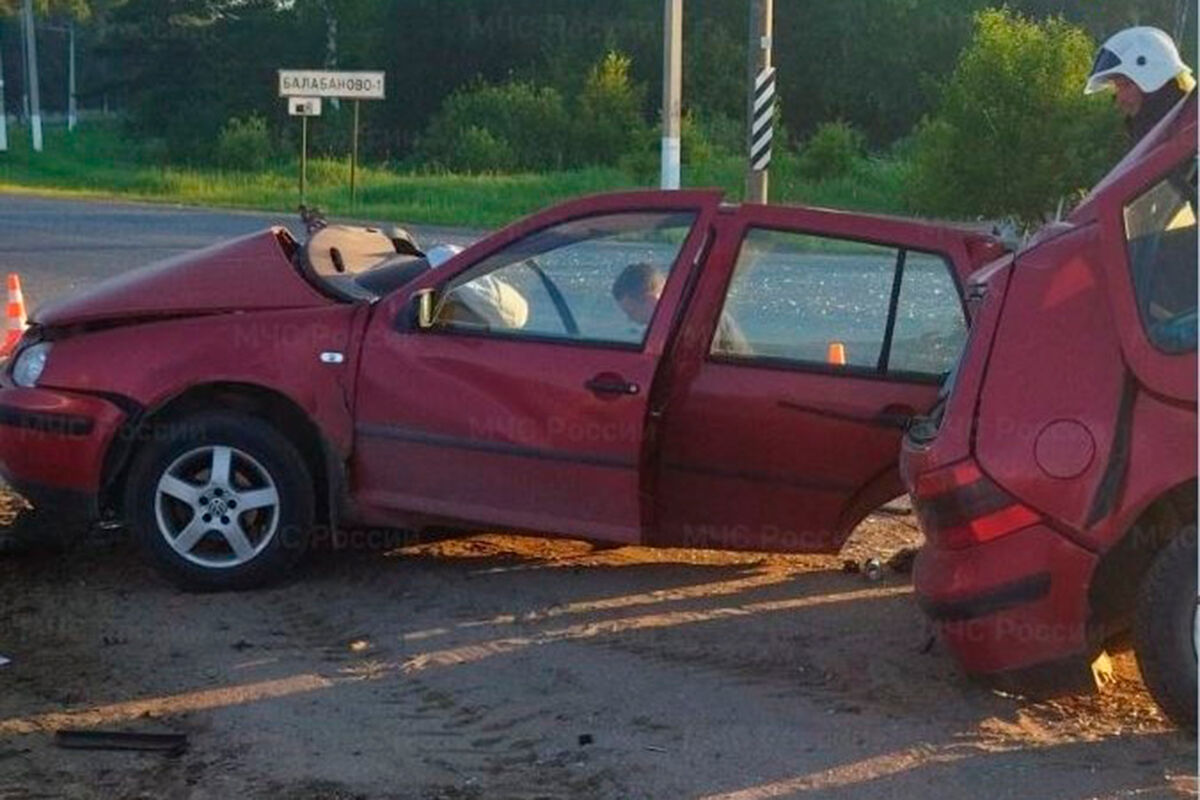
pixel 95 162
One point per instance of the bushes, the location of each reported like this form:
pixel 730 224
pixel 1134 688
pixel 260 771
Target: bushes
pixel 522 126
pixel 832 152
pixel 244 144
pixel 1013 132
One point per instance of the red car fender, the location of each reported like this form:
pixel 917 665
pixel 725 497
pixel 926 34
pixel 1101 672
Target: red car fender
pixel 308 356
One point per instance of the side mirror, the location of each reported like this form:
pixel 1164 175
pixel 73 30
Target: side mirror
pixel 423 306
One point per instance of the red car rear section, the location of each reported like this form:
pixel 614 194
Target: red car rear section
pixel 1064 459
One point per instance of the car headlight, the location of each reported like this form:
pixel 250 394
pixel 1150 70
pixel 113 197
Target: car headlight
pixel 31 362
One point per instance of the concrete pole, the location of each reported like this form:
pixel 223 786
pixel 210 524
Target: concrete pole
pixel 72 105
pixel 762 31
pixel 23 111
pixel 31 74
pixel 672 93
pixel 3 108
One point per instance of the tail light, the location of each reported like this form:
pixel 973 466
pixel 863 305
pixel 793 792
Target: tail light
pixel 960 507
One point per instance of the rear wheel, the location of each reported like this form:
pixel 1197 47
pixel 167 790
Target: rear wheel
pixel 221 501
pixel 1165 633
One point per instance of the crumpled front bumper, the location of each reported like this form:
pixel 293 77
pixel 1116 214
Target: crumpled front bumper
pixel 53 445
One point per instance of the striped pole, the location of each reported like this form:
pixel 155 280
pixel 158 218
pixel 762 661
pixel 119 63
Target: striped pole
pixel 761 105
pixel 762 128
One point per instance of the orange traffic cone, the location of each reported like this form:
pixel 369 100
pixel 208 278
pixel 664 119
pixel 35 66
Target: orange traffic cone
pixel 16 315
pixel 837 354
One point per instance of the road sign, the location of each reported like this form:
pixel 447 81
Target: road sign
pixel 304 106
pixel 318 83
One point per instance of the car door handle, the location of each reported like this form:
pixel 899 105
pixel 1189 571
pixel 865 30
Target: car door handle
pixel 610 383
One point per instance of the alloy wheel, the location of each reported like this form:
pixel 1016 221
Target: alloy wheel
pixel 217 507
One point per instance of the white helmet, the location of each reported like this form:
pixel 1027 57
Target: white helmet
pixel 1146 56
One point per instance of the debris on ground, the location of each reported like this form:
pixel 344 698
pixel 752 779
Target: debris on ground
pixel 169 743
pixel 872 569
pixel 902 561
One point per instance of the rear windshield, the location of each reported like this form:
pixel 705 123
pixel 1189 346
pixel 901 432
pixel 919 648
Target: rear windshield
pixel 1160 228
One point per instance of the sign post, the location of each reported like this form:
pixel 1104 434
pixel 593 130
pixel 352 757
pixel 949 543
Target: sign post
pixel 304 107
pixel 354 160
pixel 315 84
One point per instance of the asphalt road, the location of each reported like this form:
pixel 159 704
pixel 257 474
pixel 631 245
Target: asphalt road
pixel 59 246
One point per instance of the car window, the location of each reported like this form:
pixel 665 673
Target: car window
pixel 1160 228
pixel 930 329
pixel 591 280
pixel 839 304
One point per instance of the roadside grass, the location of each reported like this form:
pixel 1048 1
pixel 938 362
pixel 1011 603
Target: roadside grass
pixel 96 162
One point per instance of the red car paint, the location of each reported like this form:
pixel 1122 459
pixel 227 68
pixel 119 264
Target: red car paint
pixel 1066 424
pixel 477 430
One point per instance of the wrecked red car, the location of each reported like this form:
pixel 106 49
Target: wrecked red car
pixel 651 368
pixel 1056 478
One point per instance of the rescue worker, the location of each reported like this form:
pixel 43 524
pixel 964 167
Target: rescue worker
pixel 637 291
pixel 1142 66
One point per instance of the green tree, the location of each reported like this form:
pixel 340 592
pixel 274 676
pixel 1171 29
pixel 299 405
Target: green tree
pixel 1013 132
pixel 609 122
pixel 75 9
pixel 515 125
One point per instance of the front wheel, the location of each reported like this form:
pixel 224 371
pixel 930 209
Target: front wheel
pixel 1165 629
pixel 221 501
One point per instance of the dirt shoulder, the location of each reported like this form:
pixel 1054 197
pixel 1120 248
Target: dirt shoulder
pixel 502 666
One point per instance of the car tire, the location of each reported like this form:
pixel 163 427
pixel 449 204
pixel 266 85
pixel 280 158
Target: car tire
pixel 221 501
pixel 1164 632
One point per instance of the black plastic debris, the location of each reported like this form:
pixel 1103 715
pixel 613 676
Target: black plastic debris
pixel 169 743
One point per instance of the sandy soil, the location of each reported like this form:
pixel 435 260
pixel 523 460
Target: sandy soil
pixel 513 667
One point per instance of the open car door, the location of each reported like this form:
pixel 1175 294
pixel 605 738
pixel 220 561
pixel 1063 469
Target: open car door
pixel 815 337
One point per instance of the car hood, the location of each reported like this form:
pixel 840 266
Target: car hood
pixel 251 273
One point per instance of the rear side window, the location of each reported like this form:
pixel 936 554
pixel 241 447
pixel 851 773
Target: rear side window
pixel 834 304
pixel 1160 228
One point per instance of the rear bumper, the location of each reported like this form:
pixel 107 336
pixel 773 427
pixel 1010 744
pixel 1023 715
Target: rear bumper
pixel 53 446
pixel 1011 605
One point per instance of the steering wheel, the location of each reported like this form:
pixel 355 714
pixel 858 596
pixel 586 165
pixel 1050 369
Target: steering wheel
pixel 556 296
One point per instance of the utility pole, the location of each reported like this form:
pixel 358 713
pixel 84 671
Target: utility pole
pixel 672 93
pixel 761 103
pixel 31 74
pixel 3 108
pixel 72 105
